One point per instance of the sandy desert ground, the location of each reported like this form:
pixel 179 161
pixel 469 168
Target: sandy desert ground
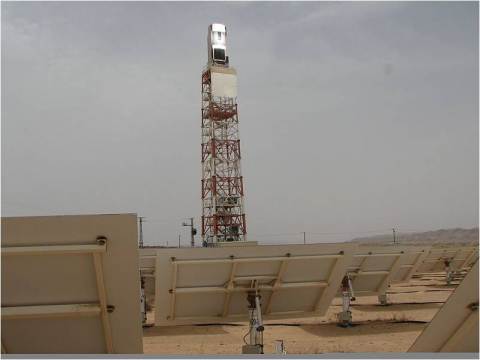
pixel 391 328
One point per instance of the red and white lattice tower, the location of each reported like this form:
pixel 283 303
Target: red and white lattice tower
pixel 223 216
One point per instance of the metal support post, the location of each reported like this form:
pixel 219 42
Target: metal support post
pixel 258 309
pixel 345 317
pixel 350 287
pixel 255 345
pixel 193 232
pixel 143 301
pixel 141 220
pixel 448 271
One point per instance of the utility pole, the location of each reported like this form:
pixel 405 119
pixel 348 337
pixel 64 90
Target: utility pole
pixel 304 238
pixel 193 231
pixel 179 236
pixel 141 221
pixel 394 240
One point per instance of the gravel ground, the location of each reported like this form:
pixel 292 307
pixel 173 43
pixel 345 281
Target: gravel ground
pixel 391 328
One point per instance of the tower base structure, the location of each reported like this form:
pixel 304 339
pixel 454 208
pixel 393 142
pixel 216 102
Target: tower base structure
pixel 223 216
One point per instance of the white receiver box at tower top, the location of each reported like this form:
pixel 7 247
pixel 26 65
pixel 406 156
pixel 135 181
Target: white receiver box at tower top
pixel 217 44
pixel 224 82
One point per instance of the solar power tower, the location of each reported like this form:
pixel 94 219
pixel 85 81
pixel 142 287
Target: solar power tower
pixel 223 216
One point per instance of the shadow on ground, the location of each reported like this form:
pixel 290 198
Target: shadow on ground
pixel 364 328
pixel 184 330
pixel 398 307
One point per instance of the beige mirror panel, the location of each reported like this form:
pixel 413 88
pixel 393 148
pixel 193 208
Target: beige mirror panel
pixel 460 258
pixel 374 268
pixel 455 326
pixel 203 285
pixel 59 283
pixel 147 260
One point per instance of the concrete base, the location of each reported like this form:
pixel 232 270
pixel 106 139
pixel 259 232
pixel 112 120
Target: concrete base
pixel 280 348
pixel 382 299
pixel 252 349
pixel 344 318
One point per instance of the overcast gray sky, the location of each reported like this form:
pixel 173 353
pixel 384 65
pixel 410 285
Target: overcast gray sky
pixel 354 117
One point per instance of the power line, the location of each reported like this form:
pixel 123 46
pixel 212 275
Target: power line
pixel 163 220
pixel 380 231
pixel 298 235
pixel 414 231
pixel 271 234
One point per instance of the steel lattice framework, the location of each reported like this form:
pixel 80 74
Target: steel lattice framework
pixel 223 217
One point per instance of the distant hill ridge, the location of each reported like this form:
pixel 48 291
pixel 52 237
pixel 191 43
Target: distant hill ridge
pixel 444 236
